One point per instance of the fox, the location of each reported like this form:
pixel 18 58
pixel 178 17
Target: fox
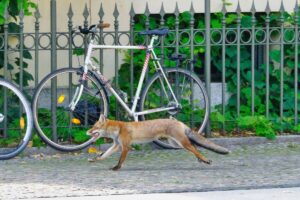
pixel 124 134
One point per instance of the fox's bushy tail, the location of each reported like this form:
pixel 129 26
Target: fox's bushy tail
pixel 201 141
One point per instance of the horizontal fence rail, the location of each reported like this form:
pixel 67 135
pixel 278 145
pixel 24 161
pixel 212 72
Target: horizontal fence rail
pixel 254 57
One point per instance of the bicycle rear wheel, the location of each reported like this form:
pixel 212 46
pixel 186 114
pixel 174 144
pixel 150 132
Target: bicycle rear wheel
pixel 15 120
pixel 58 124
pixel 190 94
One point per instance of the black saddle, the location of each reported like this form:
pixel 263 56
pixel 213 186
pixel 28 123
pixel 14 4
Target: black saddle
pixel 160 32
pixel 179 57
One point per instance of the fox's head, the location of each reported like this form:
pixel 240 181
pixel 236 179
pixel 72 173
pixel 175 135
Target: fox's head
pixel 98 130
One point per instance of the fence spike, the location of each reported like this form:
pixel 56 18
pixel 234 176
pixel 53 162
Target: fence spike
pixel 238 9
pixel 21 15
pixel 116 11
pixel 86 12
pixel 192 10
pixel 224 10
pixel 281 7
pixel 131 12
pixel 176 12
pixel 162 10
pixel 147 11
pixel 6 15
pixel 268 9
pixel 70 12
pixel 253 9
pixel 37 13
pixel 101 12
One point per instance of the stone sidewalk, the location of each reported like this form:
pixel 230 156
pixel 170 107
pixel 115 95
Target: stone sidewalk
pixel 248 166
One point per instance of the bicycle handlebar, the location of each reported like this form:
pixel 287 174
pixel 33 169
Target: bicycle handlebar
pixel 92 28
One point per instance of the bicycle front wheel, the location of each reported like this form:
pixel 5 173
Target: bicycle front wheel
pixel 15 120
pixel 190 94
pixel 61 120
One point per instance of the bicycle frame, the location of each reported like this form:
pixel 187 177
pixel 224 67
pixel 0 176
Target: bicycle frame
pixel 149 54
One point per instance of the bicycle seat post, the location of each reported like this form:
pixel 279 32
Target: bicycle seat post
pixel 153 39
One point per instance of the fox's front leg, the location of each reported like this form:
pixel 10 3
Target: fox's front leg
pixel 109 152
pixel 124 153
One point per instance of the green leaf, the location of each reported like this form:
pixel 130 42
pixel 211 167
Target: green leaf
pixel 78 51
pixel 275 55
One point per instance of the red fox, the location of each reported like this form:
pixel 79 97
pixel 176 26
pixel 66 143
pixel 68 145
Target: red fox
pixel 126 133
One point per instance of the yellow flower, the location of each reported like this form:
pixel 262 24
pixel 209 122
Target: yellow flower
pixel 61 99
pixel 92 150
pixel 76 121
pixel 22 123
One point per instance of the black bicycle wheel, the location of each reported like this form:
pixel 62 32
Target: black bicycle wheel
pixel 60 125
pixel 15 120
pixel 190 94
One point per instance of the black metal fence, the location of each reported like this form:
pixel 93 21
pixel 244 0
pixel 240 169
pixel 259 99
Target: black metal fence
pixel 254 57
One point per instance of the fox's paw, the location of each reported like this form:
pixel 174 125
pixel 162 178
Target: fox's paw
pixel 205 161
pixel 91 159
pixel 115 168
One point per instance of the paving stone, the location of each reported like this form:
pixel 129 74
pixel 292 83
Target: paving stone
pixel 262 165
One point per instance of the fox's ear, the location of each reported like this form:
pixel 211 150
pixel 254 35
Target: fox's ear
pixel 102 118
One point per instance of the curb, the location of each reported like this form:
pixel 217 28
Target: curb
pixel 225 142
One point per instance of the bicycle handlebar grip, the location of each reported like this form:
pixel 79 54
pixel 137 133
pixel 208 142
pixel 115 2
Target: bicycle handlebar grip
pixel 103 25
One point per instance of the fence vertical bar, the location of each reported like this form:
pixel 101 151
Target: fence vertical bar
pixel 192 23
pixel 147 25
pixel 101 39
pixel 21 42
pixel 131 40
pixel 21 54
pixel 162 24
pixel 253 23
pixel 70 38
pixel 5 28
pixel 224 11
pixel 53 67
pixel 147 22
pixel 268 10
pixel 85 14
pixel 238 84
pixel 207 61
pixel 116 38
pixel 70 35
pixel 176 13
pixel 296 19
pixel 37 16
pixel 281 62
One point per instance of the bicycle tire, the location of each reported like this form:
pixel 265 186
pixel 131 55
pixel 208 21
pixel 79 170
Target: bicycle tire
pixel 12 152
pixel 93 97
pixel 199 88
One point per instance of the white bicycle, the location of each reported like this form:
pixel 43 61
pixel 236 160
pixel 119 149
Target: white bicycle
pixel 69 100
pixel 16 120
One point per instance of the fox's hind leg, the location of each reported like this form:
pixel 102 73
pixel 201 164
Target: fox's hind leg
pixel 185 142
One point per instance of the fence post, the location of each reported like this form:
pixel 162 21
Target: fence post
pixel 53 67
pixel 116 39
pixel 131 39
pixel 101 41
pixel 37 15
pixel 224 11
pixel 5 28
pixel 207 60
pixel 296 19
pixel 268 19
